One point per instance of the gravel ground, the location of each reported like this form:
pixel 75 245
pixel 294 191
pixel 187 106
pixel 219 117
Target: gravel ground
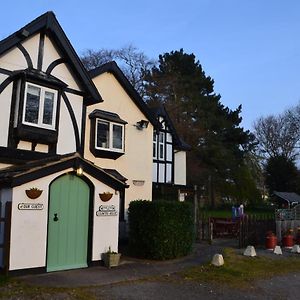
pixel 142 280
pixel 281 287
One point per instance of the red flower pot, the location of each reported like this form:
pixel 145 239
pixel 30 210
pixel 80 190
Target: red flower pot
pixel 271 242
pixel 288 241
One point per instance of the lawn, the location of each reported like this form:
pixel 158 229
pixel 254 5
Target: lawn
pixel 226 213
pixel 240 271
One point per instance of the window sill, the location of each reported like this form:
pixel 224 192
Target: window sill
pixel 106 153
pixel 35 134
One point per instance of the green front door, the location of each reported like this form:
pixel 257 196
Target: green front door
pixel 68 224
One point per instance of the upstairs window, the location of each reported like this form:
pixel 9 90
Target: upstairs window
pixel 154 145
pixel 161 145
pixel 109 136
pixel 39 106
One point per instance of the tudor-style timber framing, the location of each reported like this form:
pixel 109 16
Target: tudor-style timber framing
pixel 48 31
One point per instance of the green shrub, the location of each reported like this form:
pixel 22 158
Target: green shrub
pixel 161 229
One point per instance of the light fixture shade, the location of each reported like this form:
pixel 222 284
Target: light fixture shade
pixel 143 124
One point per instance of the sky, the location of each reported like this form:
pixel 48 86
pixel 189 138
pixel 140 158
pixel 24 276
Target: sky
pixel 251 48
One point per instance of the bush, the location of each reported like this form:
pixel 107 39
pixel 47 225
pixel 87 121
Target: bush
pixel 161 229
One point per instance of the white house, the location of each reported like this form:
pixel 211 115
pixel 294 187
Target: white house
pixel 169 157
pixel 75 149
pixel 45 93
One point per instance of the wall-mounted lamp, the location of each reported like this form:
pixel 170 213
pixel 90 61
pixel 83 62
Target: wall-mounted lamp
pixel 143 124
pixel 79 171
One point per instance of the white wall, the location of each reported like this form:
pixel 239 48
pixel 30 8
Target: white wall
pixel 180 168
pixel 5 196
pixel 29 227
pixel 136 163
pixel 5 100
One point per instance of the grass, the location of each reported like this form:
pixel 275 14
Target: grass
pixel 241 271
pixel 12 288
pixel 226 213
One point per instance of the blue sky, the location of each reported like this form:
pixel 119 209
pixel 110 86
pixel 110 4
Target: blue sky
pixel 251 48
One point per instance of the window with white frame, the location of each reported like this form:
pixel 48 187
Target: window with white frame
pixel 154 145
pixel 161 145
pixel 109 136
pixel 39 106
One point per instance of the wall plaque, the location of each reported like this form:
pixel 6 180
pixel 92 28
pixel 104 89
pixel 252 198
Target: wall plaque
pixel 30 206
pixel 106 210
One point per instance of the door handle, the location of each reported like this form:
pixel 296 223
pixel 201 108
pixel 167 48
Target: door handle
pixel 55 219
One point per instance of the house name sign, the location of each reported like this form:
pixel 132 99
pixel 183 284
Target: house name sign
pixel 30 206
pixel 106 210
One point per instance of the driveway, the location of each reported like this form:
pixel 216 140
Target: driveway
pixel 141 279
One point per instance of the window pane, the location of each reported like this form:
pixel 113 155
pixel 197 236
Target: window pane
pixel 154 137
pixel 161 151
pixel 161 137
pixel 154 150
pixel 117 137
pixel 103 135
pixel 32 104
pixel 48 108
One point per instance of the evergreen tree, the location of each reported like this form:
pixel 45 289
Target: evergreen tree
pixel 281 174
pixel 213 130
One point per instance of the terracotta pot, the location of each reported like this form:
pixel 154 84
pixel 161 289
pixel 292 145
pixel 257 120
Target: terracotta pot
pixel 288 241
pixel 271 242
pixel 33 193
pixel 105 196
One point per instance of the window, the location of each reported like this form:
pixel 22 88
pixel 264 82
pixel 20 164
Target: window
pixel 109 136
pixel 154 145
pixel 39 106
pixel 161 145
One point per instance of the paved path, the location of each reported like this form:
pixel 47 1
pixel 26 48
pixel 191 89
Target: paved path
pixel 129 269
pixel 124 282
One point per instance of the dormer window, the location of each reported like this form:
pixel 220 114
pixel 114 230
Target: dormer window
pixel 39 106
pixel 107 134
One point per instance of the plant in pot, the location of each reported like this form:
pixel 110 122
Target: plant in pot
pixel 288 239
pixel 111 258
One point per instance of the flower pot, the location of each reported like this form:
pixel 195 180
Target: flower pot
pixel 111 259
pixel 33 193
pixel 288 241
pixel 105 196
pixel 271 242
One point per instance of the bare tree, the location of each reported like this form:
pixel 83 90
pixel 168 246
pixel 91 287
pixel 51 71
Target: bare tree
pixel 133 63
pixel 279 135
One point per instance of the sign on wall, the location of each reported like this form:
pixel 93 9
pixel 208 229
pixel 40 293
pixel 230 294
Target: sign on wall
pixel 106 210
pixel 30 206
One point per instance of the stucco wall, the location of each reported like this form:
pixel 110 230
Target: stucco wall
pixel 29 227
pixel 136 163
pixel 180 168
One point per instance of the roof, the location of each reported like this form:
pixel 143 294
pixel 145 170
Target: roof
pixel 179 143
pixel 106 115
pixel 32 170
pixel 113 68
pixel 49 24
pixel 289 197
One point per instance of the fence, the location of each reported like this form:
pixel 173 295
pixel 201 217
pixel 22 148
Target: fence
pixel 247 230
pixel 287 219
pixel 253 229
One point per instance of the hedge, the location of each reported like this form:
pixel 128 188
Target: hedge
pixel 161 229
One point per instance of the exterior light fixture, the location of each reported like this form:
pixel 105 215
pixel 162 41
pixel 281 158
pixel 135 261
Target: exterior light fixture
pixel 79 171
pixel 143 124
